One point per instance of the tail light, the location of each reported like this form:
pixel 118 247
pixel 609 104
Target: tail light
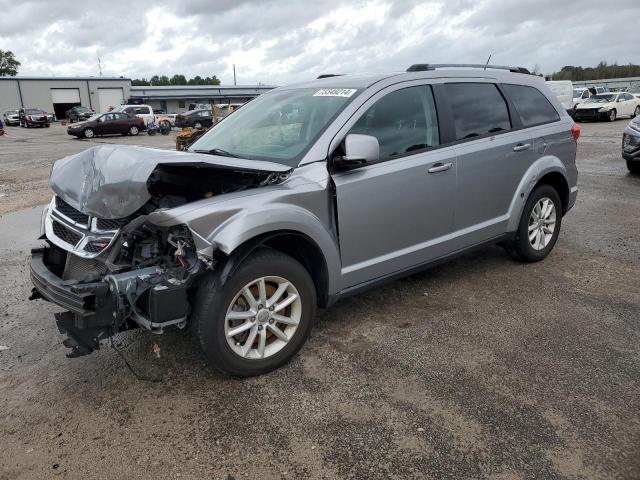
pixel 575 132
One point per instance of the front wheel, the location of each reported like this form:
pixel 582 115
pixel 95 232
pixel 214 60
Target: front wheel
pixel 539 225
pixel 259 318
pixel 611 116
pixel 133 130
pixel 197 125
pixel 88 133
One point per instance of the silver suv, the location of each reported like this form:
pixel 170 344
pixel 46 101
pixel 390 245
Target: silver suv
pixel 305 195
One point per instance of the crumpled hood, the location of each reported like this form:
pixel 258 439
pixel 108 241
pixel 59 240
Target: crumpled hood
pixel 110 181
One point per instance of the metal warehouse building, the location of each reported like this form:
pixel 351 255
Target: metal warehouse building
pixel 58 94
pixel 175 99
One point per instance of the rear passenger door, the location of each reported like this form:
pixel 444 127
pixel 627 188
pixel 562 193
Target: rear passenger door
pixel 492 158
pixel 393 214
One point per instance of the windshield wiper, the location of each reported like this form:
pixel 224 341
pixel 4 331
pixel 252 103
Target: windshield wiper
pixel 217 151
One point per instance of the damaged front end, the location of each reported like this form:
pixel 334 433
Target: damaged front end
pixel 105 262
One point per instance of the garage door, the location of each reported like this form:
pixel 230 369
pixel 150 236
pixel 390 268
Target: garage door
pixel 109 97
pixel 65 95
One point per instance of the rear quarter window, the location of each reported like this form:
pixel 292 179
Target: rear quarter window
pixel 478 109
pixel 533 107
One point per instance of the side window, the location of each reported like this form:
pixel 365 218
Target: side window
pixel 403 121
pixel 180 103
pixel 478 109
pixel 121 116
pixel 585 94
pixel 534 108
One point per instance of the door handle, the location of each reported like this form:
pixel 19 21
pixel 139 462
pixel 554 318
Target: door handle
pixel 440 167
pixel 521 147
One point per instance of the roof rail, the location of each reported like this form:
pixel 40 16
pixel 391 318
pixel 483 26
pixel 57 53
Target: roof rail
pixel 422 67
pixel 328 75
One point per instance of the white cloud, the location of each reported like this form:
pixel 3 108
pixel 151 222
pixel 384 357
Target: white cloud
pixel 281 41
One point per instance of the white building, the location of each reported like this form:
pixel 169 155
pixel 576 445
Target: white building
pixel 58 94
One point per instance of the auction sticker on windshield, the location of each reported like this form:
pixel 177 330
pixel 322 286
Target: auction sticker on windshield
pixel 335 92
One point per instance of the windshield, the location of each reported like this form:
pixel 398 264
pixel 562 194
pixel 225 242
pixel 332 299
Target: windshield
pixel 601 98
pixel 33 111
pixel 82 109
pixel 278 126
pixel 11 112
pixel 577 93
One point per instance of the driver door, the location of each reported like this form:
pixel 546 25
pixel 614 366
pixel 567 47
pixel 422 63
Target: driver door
pixel 393 214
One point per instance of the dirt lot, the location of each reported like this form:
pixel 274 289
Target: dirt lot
pixel 480 368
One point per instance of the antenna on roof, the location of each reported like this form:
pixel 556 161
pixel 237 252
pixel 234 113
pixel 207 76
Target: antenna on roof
pixel 99 66
pixel 485 65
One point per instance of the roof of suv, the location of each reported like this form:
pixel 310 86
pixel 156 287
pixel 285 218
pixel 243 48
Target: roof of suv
pixel 365 80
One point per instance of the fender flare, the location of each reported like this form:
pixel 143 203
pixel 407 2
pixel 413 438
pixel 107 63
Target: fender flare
pixel 540 168
pixel 245 231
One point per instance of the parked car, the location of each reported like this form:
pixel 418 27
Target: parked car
pixel 305 195
pixel 145 112
pixel 581 94
pixel 33 117
pixel 79 113
pixel 1 128
pixel 194 119
pixel 631 145
pixel 11 118
pixel 608 106
pixel 114 123
pixel 563 89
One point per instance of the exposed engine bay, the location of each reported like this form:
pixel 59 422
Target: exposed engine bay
pixel 106 262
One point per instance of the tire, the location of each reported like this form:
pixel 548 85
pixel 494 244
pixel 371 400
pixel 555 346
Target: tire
pixel 633 167
pixel 214 302
pixel 526 250
pixel 88 133
pixel 611 115
pixel 47 125
pixel 197 125
pixel 133 130
pixel 636 112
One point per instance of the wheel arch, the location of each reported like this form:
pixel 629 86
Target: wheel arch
pixel 296 244
pixel 546 170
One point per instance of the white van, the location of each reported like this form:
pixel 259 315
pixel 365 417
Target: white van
pixel 563 89
pixel 142 111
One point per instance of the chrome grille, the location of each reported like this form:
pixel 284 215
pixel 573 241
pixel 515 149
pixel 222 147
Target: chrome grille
pixel 68 211
pixel 106 224
pixel 65 234
pixel 78 232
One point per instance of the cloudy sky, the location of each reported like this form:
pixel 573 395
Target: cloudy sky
pixel 281 41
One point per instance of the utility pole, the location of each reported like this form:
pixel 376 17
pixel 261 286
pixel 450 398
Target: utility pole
pixel 99 66
pixel 234 74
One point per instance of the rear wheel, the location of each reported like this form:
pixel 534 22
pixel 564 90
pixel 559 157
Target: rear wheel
pixel 259 318
pixel 539 225
pixel 611 116
pixel 133 130
pixel 88 133
pixel 197 125
pixel 633 167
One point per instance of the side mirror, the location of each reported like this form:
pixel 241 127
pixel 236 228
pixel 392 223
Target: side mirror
pixel 359 149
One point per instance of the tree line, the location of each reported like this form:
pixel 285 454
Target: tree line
pixel 601 71
pixel 164 80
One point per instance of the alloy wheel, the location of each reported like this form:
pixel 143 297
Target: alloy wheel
pixel 263 317
pixel 542 223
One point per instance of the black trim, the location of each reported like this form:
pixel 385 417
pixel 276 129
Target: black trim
pixel 80 299
pixel 377 282
pixel 517 114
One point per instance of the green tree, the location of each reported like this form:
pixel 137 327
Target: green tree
pixel 140 82
pixel 178 80
pixel 8 64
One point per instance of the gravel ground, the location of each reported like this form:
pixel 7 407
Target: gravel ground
pixel 480 368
